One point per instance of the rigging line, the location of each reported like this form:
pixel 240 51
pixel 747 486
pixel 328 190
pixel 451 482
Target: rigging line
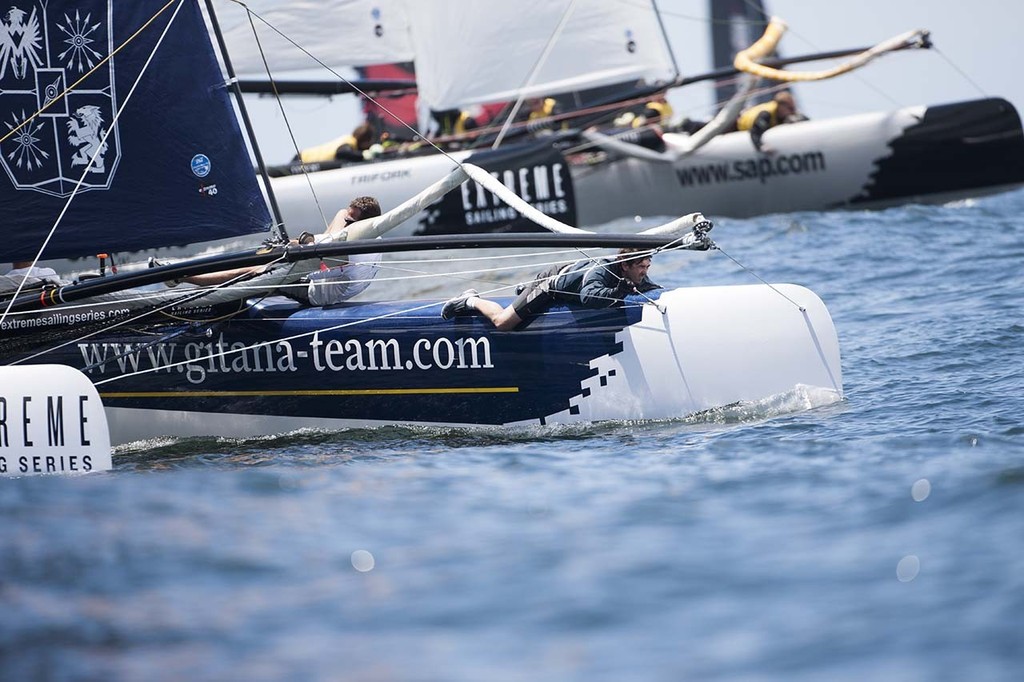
pixel 279 227
pixel 181 300
pixel 963 73
pixel 607 267
pixel 665 41
pixel 757 7
pixel 131 350
pixel 103 61
pixel 534 71
pixel 352 85
pixel 263 344
pixel 502 257
pixel 758 277
pixel 404 311
pixel 199 293
pixel 420 274
pixel 559 256
pixel 287 123
pixel 99 148
pixel 463 275
pixel 186 299
pixel 468 275
pixel 594 259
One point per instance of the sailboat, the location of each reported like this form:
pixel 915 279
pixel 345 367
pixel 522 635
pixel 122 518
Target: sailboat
pixel 122 136
pixel 604 58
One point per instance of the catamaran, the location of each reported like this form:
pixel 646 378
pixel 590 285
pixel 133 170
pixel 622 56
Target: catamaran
pixel 600 60
pixel 122 136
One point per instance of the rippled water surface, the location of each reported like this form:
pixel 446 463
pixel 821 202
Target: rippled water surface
pixel 879 538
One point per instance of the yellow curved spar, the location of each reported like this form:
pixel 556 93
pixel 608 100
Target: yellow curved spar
pixel 747 60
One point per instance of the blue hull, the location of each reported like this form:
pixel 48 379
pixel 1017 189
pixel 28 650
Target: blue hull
pixel 409 365
pixel 277 367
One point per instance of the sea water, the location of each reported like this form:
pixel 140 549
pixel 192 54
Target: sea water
pixel 878 538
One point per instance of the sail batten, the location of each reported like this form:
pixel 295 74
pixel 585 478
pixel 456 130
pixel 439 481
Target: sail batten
pixel 168 166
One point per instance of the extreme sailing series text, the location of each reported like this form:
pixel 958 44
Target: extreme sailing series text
pixel 541 185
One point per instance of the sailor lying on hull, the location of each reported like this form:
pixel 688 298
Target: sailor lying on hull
pixel 593 284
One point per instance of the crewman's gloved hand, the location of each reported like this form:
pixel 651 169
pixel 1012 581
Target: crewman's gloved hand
pixel 624 288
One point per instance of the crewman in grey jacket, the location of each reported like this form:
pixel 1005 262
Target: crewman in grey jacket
pixel 600 283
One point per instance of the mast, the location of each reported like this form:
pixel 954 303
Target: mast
pixel 735 24
pixel 664 35
pixel 281 229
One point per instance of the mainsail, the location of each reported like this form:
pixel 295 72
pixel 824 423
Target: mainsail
pixel 335 33
pixel 143 165
pixel 464 53
pixel 547 47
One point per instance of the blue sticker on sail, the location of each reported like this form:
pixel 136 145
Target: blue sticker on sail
pixel 70 141
pixel 201 165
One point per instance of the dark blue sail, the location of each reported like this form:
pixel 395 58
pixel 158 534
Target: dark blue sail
pixel 171 169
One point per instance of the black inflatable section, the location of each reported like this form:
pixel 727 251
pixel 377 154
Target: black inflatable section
pixel 955 147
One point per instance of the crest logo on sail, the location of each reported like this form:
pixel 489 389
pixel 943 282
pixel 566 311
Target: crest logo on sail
pixel 52 139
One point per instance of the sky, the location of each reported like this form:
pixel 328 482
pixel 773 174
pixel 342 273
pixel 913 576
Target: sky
pixel 979 50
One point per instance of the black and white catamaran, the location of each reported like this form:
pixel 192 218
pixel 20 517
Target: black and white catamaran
pixel 600 61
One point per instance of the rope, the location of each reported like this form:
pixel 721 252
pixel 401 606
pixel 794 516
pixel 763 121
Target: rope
pixel 190 296
pixel 280 105
pixel 758 277
pixel 344 325
pixel 534 71
pixel 90 71
pixel 355 88
pixel 103 142
pixel 960 71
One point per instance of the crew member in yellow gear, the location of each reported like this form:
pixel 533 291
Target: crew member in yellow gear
pixel 541 110
pixel 758 119
pixel 345 148
pixel 658 111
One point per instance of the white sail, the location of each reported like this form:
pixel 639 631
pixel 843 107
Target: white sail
pixel 465 53
pixel 337 32
pixel 487 51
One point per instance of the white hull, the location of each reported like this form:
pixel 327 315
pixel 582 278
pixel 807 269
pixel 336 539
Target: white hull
pixel 911 155
pixel 813 165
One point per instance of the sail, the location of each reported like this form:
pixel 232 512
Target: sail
pixel 735 25
pixel 171 169
pixel 336 32
pixel 487 51
pixel 398 113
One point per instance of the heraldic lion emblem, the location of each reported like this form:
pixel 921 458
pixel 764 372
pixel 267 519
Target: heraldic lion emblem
pixel 85 130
